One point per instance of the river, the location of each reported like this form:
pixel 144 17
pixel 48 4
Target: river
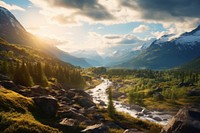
pixel 100 97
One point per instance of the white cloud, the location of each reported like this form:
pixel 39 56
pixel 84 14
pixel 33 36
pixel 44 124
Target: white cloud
pixel 11 7
pixel 67 13
pixel 141 28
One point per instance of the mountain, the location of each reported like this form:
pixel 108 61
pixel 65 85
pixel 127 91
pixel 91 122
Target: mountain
pixel 13 32
pixel 193 65
pixel 168 52
pixel 120 56
pixel 66 57
pixel 91 56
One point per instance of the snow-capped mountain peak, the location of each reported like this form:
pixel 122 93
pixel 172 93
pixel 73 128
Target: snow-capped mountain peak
pixel 189 38
pixel 163 39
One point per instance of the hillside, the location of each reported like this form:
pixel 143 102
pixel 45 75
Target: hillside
pixel 14 57
pixel 193 65
pixel 13 32
pixel 16 114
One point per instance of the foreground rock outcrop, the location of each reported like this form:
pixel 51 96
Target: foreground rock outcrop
pixel 187 120
pixel 48 105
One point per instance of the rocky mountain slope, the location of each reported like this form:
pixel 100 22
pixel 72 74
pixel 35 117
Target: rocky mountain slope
pixel 13 32
pixel 168 52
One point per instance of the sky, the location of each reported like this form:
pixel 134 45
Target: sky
pixel 104 25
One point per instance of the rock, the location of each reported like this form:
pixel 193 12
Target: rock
pixel 157 118
pixel 82 93
pixel 69 122
pixel 133 130
pixel 9 85
pixel 48 105
pixel 3 77
pixel 91 110
pixel 150 116
pixel 136 107
pixel 146 112
pixel 187 120
pixel 140 114
pixel 72 114
pixel 123 96
pixel 84 102
pixel 70 94
pixel 102 103
pixel 98 128
pixel 98 117
pixel 117 94
pixel 37 90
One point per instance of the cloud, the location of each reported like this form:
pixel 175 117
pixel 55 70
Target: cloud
pixel 72 11
pixel 160 10
pixel 11 7
pixel 112 36
pixel 141 28
pixel 182 14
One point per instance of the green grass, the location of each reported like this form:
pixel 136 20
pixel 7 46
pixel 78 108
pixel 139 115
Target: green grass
pixel 16 116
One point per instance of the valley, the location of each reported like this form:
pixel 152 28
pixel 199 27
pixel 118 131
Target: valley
pixel 94 75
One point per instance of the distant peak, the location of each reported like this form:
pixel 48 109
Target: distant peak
pixel 4 10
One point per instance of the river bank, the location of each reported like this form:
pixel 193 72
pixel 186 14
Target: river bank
pixel 100 97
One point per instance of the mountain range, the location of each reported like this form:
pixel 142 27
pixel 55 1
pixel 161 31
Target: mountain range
pixel 167 52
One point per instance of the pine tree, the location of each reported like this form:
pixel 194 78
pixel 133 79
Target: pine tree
pixel 22 76
pixel 4 67
pixel 111 108
pixel 41 77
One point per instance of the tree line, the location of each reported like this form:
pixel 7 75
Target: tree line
pixel 40 73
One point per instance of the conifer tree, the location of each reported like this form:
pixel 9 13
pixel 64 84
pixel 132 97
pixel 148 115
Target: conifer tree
pixel 22 76
pixel 111 108
pixel 41 77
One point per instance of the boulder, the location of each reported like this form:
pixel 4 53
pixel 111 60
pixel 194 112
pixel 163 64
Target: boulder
pixel 102 103
pixel 70 94
pixel 117 94
pixel 157 118
pixel 140 114
pixel 82 93
pixel 98 117
pixel 9 85
pixel 136 107
pixel 69 122
pixel 187 120
pixel 47 105
pixel 73 114
pixel 37 90
pixel 84 102
pixel 132 130
pixel 98 128
pixel 146 112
